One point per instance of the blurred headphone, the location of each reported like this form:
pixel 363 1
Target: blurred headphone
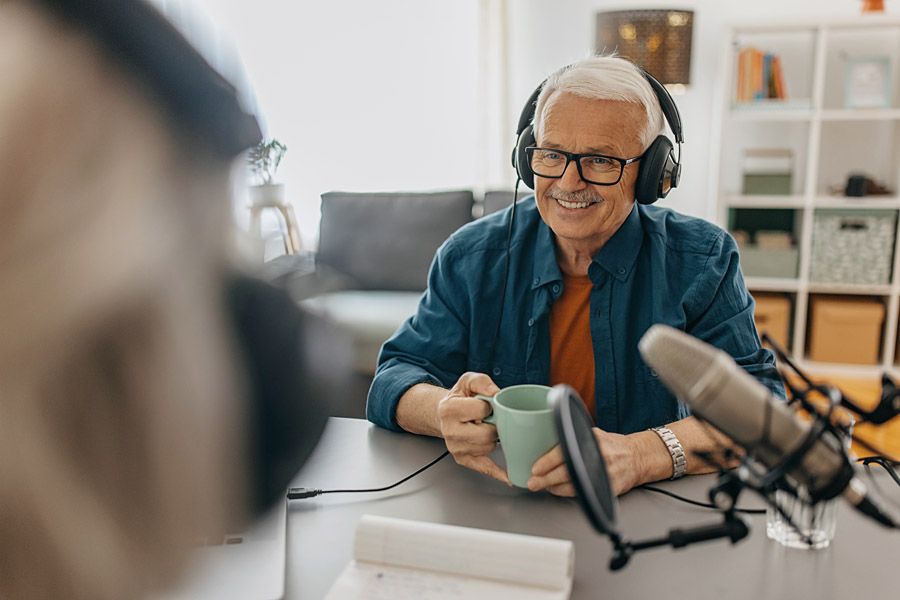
pixel 287 370
pixel 659 170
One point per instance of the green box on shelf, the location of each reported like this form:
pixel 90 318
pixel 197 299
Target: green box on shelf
pixel 769 262
pixel 767 184
pixel 767 171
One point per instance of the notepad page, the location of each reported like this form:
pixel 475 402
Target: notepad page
pixel 476 553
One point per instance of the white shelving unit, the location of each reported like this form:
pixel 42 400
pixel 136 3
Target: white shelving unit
pixel 828 141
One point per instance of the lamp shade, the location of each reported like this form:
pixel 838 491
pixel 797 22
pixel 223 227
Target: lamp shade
pixel 658 41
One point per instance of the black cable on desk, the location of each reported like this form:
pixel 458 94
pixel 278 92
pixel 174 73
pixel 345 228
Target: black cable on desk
pixel 748 511
pixel 300 493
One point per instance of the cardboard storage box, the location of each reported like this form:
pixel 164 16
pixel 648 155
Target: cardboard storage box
pixel 845 329
pixel 773 316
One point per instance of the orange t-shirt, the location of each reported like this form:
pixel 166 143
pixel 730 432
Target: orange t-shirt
pixel 571 351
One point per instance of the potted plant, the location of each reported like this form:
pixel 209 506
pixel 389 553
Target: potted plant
pixel 263 160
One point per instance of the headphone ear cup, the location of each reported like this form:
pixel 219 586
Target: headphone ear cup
pixel 655 174
pixel 523 168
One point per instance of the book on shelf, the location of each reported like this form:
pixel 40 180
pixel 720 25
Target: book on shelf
pixel 760 76
pixel 397 559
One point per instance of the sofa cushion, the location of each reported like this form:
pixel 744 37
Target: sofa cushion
pixel 368 317
pixel 386 241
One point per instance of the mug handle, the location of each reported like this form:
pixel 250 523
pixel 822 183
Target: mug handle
pixel 491 418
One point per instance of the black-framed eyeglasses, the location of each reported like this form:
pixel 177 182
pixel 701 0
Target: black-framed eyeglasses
pixel 598 169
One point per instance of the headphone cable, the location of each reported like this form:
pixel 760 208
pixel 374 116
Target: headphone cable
pixel 300 493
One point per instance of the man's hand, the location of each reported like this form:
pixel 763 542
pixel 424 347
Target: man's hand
pixel 623 459
pixel 460 414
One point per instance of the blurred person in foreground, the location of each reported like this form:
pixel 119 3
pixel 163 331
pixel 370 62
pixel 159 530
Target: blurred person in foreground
pixel 149 395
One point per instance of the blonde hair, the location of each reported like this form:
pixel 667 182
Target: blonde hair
pixel 117 403
pixel 605 77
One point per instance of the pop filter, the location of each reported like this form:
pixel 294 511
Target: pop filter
pixel 587 469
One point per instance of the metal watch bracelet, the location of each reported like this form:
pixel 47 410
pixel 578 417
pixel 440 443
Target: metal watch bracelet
pixel 679 461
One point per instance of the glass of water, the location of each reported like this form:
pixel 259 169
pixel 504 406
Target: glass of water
pixel 816 522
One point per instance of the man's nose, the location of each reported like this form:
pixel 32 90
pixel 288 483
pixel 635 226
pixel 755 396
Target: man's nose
pixel 571 178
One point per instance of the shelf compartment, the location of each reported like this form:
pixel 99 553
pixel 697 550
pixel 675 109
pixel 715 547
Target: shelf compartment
pixel 795 49
pixel 867 148
pixel 864 42
pixel 845 330
pixel 752 137
pixel 853 246
pixel 767 239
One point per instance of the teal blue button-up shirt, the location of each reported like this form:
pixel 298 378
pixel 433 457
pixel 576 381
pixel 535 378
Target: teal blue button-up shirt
pixel 659 267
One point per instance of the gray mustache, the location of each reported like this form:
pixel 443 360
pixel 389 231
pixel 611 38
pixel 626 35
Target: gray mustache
pixel 576 196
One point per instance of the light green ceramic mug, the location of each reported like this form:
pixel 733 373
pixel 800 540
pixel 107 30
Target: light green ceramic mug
pixel 524 420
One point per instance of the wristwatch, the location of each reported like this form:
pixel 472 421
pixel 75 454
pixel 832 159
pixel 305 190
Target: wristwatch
pixel 679 462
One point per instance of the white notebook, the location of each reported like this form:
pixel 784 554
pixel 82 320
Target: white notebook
pixel 396 559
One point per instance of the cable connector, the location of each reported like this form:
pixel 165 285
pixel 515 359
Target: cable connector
pixel 300 493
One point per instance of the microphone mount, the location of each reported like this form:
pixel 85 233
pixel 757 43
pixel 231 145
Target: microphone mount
pixel 733 526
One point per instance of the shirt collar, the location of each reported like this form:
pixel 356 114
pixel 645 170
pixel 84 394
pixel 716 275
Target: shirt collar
pixel 617 256
pixel 620 253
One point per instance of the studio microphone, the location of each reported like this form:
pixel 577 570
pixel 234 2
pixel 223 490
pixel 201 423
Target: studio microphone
pixel 719 391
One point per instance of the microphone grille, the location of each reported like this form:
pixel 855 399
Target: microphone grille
pixel 680 359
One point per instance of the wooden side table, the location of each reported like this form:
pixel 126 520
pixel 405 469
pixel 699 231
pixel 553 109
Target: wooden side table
pixel 290 231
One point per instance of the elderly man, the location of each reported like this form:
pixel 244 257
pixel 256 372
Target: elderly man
pixel 563 293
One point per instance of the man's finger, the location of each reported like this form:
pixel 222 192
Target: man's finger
pixel 564 489
pixel 548 462
pixel 556 476
pixel 485 466
pixel 477 383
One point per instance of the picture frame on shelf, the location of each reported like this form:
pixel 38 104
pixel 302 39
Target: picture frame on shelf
pixel 868 82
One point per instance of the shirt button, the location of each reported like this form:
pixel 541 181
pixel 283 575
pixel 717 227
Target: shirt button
pixel 496 371
pixel 654 373
pixel 537 280
pixel 621 270
pixel 555 288
pixel 530 322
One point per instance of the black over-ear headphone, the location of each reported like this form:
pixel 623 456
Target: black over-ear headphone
pixel 659 171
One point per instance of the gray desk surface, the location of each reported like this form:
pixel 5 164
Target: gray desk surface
pixel 860 562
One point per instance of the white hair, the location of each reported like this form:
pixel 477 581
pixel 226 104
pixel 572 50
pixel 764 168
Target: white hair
pixel 117 399
pixel 605 77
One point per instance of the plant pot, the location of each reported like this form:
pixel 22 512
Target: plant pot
pixel 268 194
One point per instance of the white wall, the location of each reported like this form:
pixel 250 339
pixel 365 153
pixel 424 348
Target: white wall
pixel 368 96
pixel 403 94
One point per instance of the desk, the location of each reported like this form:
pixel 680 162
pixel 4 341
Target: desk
pixel 859 563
